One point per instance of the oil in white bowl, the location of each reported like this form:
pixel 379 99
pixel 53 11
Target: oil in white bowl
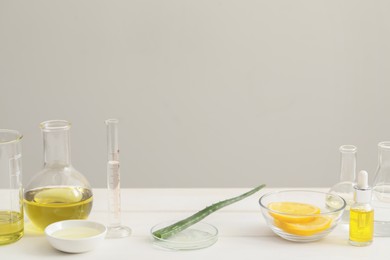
pixel 76 232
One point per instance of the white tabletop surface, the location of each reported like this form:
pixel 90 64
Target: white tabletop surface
pixel 243 233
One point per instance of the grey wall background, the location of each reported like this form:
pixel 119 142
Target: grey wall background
pixel 209 93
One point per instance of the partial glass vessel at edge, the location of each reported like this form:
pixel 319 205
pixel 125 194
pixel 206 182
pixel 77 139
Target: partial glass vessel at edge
pixel 58 192
pixel 381 191
pixel 11 204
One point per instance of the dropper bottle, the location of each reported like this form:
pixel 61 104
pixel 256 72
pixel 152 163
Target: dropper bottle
pixel 361 223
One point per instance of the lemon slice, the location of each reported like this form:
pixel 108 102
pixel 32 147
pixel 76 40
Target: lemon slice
pixel 312 227
pixel 293 212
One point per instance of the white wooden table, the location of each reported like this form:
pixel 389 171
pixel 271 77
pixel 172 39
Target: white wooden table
pixel 243 233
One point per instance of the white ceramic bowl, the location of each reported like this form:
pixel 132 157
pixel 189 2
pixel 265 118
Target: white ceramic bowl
pixel 75 236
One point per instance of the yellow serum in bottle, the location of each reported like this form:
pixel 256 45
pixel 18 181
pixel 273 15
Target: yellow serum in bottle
pixel 361 219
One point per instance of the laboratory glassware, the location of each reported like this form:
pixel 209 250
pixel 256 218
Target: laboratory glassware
pixel 361 224
pixel 381 191
pixel 115 227
pixel 11 206
pixel 57 192
pixel 345 187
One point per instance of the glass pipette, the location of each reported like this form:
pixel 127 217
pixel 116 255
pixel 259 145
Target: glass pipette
pixel 115 228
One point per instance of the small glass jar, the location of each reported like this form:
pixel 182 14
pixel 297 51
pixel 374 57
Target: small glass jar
pixel 58 192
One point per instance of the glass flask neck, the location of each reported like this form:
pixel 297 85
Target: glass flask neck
pixel 384 154
pixel 348 163
pixel 56 143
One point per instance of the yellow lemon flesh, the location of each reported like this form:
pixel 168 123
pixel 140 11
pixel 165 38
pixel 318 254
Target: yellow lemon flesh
pixel 299 218
pixel 293 212
pixel 315 226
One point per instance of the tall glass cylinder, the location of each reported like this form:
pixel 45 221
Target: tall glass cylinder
pixel 381 191
pixel 58 192
pixel 115 227
pixel 11 204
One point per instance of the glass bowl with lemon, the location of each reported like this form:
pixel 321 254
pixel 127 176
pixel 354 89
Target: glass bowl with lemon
pixel 302 216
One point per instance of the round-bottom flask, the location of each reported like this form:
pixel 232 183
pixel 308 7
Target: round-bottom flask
pixel 345 187
pixel 58 192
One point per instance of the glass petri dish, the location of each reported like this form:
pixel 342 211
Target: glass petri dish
pixel 197 236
